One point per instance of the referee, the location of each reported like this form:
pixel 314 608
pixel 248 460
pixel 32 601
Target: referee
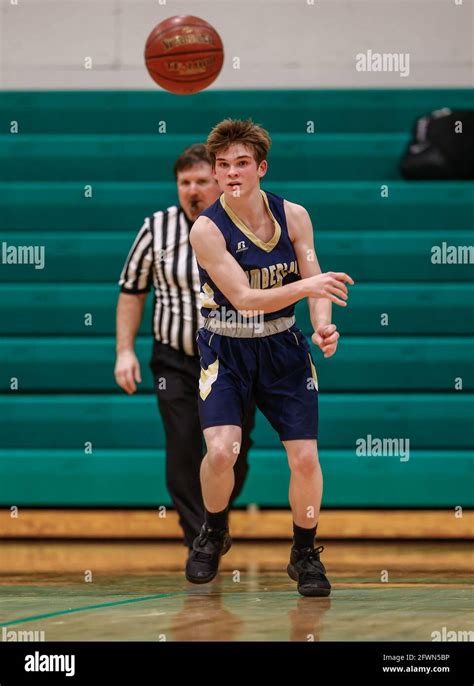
pixel 161 256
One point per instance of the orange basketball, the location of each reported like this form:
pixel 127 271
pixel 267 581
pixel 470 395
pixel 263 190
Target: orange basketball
pixel 184 54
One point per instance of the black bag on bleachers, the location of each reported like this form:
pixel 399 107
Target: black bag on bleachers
pixel 438 150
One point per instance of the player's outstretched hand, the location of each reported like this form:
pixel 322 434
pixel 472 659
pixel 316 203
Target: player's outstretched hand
pixel 127 371
pixel 326 337
pixel 330 285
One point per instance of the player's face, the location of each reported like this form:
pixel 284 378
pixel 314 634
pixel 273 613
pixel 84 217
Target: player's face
pixel 236 170
pixel 197 189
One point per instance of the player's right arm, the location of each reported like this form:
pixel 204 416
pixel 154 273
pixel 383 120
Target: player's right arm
pixel 211 253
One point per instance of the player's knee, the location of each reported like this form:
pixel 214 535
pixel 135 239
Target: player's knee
pixel 221 457
pixel 304 462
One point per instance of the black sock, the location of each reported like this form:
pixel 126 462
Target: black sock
pixel 217 520
pixel 303 538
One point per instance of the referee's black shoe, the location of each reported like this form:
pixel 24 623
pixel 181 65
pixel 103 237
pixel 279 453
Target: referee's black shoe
pixel 208 548
pixel 307 569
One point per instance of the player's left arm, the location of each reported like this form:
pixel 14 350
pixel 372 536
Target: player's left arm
pixel 300 230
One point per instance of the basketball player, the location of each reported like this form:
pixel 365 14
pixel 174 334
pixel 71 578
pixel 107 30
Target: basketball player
pixel 162 256
pixel 256 259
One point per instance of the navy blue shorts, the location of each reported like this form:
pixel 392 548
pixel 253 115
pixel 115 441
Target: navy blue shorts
pixel 277 370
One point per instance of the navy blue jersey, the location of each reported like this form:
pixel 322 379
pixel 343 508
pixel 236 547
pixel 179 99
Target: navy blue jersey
pixel 267 265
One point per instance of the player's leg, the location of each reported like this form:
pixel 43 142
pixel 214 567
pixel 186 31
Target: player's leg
pixel 217 483
pixel 306 482
pixel 305 493
pixel 223 395
pixel 217 468
pixel 287 393
pixel 241 467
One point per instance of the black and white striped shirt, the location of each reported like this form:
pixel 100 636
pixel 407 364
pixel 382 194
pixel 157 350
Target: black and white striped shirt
pixel 162 256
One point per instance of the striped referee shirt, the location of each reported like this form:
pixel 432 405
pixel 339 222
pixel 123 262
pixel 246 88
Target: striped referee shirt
pixel 162 256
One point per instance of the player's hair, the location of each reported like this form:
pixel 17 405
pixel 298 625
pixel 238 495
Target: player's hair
pixel 195 154
pixel 244 131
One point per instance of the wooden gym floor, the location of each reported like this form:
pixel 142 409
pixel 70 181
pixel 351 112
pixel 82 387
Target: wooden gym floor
pixel 135 590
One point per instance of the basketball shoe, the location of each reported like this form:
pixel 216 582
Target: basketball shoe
pixel 306 568
pixel 208 548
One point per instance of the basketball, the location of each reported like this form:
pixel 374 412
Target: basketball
pixel 184 54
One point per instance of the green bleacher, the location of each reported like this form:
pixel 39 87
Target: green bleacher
pixel 70 437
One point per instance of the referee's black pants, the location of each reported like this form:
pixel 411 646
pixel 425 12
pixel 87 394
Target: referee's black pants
pixel 176 379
